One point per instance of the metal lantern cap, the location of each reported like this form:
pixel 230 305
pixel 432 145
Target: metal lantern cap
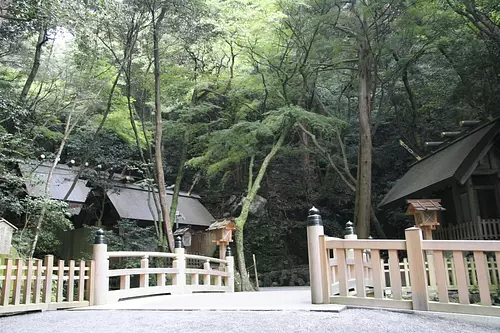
pixel 314 218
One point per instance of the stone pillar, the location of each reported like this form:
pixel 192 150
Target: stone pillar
pixel 314 230
pixel 100 276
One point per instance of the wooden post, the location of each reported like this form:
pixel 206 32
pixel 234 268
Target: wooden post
pixel 28 282
pixel 427 233
pixel 230 269
pixel 100 256
pixel 7 273
pixel 418 278
pixel 314 230
pixel 181 266
pixel 47 285
pixel 16 297
pixel 206 276
pixel 255 270
pixel 144 278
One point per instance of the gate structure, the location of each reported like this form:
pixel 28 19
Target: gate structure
pixel 433 275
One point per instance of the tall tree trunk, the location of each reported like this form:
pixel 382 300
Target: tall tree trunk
pixel 158 132
pixel 42 39
pixel 364 177
pixel 253 189
pixel 178 179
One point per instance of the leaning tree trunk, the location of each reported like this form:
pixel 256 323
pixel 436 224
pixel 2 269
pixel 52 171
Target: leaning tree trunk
pixel 250 197
pixel 364 177
pixel 42 39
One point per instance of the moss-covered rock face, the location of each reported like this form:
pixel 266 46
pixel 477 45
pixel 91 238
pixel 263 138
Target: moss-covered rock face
pixel 298 276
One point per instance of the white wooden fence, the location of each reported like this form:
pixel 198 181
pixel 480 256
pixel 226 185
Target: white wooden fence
pixel 437 275
pixel 27 285
pixel 488 229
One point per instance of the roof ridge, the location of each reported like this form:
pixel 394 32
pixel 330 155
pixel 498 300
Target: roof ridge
pixel 454 140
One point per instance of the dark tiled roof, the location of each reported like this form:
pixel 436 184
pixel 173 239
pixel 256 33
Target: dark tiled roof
pixel 453 160
pixel 134 202
pixel 62 179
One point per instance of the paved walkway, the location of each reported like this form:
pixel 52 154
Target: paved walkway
pixel 268 299
pixel 286 310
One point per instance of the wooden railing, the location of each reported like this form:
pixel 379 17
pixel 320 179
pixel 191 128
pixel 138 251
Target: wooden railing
pixel 489 229
pixel 159 273
pixel 369 273
pixel 27 285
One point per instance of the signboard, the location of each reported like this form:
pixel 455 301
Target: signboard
pixel 5 237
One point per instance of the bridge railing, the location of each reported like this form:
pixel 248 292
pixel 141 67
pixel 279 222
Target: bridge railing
pixel 34 284
pixel 159 273
pixel 442 276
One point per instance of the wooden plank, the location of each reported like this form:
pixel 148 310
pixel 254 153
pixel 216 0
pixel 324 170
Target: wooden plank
pixel 81 282
pixel 473 272
pixel 461 245
pixel 492 275
pixel 28 282
pixel 324 260
pixel 22 308
pixel 71 280
pixel 406 272
pixel 441 279
pixel 60 281
pixel 365 244
pixel 358 273
pixel 497 258
pixel 377 275
pixel 465 309
pixel 482 278
pixel 467 271
pixel 395 275
pixel 38 281
pixel 124 282
pixel 7 273
pixel 342 267
pixel 430 267
pixel 463 289
pixel 138 271
pixel 124 254
pixel 47 285
pixel 375 302
pixel 144 277
pixel 91 283
pixel 16 296
pixel 160 280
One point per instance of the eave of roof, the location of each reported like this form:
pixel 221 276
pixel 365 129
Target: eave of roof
pixel 454 160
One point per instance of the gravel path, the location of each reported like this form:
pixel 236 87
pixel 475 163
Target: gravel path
pixel 354 320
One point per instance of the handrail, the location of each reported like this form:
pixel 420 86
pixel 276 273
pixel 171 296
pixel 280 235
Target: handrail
pixel 122 254
pixel 210 259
